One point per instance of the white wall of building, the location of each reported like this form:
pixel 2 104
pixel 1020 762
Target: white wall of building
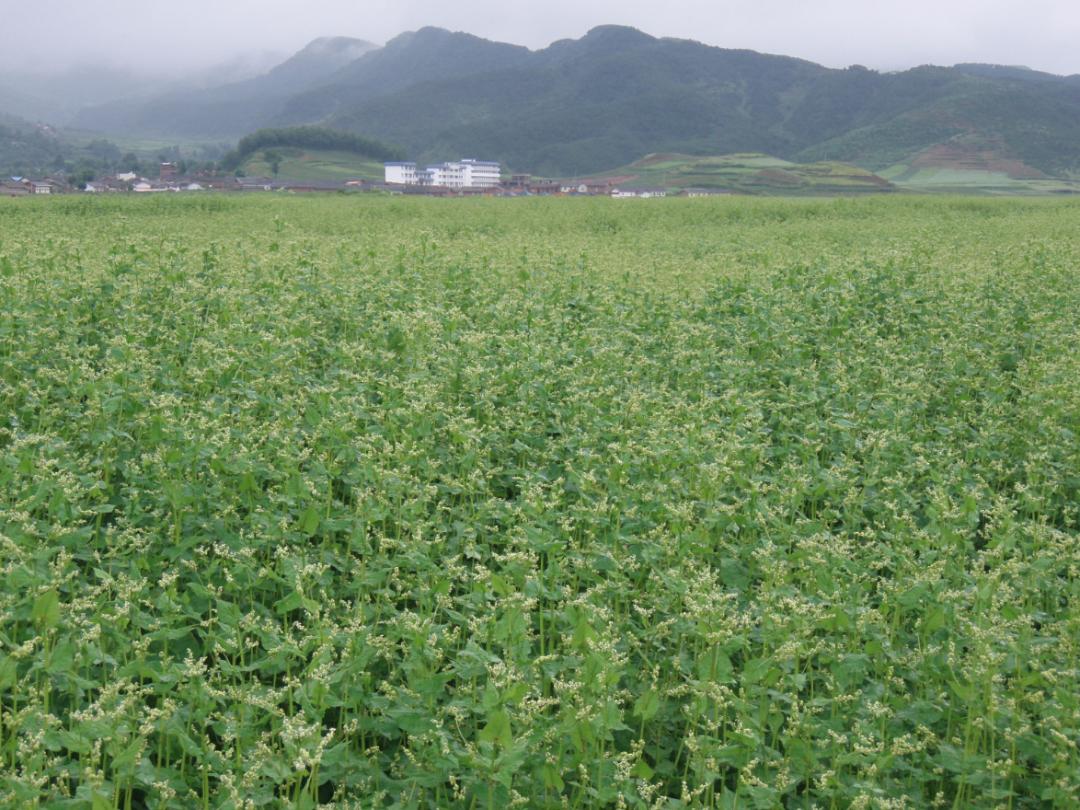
pixel 481 173
pixel 459 174
pixel 401 173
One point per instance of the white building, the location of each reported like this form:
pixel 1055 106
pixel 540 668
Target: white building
pixel 481 173
pixel 403 174
pixel 446 175
pixel 460 174
pixel 639 193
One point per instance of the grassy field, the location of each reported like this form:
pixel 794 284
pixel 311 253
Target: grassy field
pixel 953 180
pixel 301 165
pixel 752 174
pixel 543 503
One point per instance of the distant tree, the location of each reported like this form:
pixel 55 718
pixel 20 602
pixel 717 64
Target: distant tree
pixel 104 151
pixel 273 157
pixel 81 176
pixel 130 163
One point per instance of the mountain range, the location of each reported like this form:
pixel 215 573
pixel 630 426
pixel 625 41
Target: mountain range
pixel 604 100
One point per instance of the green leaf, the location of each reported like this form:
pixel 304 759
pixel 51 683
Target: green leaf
pixel 642 770
pixel 61 658
pixel 551 777
pixel 76 743
pixel 647 705
pixel 515 693
pixel 9 672
pixel 582 633
pixel 294 601
pixel 46 610
pixel 497 730
pixel 715 666
pixel 933 620
pixel 309 521
pixel 756 670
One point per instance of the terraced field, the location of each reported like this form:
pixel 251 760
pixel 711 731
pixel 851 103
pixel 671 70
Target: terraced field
pixel 413 503
pixel 753 174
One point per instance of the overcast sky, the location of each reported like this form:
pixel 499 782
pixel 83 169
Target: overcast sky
pixel 884 34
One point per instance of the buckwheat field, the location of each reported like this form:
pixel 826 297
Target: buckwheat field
pixel 388 503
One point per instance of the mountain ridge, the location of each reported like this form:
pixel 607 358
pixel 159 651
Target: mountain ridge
pixel 603 100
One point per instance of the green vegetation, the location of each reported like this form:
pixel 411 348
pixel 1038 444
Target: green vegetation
pixel 951 179
pixel 310 138
pixel 420 503
pixel 314 165
pixel 24 148
pixel 27 149
pixel 750 174
pixel 589 105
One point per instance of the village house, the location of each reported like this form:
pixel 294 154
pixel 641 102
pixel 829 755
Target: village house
pixel 106 184
pixel 253 184
pixel 544 187
pixel 638 193
pixel 12 188
pixel 705 192
pixel 586 187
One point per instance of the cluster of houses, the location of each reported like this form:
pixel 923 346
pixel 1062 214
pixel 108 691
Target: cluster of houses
pixel 471 177
pixel 25 186
pixel 168 180
pixel 455 179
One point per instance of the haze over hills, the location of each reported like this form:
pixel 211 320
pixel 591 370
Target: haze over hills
pixel 229 110
pixel 605 100
pixel 56 97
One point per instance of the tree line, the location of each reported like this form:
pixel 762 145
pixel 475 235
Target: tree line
pixel 309 137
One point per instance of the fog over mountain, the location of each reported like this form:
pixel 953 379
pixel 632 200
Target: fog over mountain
pixel 166 39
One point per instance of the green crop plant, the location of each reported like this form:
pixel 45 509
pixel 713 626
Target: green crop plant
pixel 396 503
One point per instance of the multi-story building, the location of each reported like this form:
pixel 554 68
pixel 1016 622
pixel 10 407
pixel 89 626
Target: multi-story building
pixel 480 173
pixel 456 175
pixel 401 173
pixel 447 175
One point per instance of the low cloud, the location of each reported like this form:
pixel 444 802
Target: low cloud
pixel 52 35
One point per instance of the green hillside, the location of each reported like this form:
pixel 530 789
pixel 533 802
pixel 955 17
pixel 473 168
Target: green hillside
pixel 26 148
pixel 961 180
pixel 310 154
pixel 314 165
pixel 750 173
